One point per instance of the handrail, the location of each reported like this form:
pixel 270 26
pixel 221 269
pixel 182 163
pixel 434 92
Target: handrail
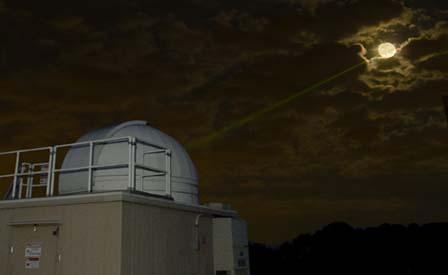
pixel 24 174
pixel 26 150
pixel 94 167
pixel 144 142
pixel 52 169
pixel 96 141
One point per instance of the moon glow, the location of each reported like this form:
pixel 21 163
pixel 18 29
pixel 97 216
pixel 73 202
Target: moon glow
pixel 387 50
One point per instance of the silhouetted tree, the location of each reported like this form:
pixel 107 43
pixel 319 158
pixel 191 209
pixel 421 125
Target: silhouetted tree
pixel 339 248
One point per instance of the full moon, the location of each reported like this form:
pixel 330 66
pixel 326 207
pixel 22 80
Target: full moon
pixel 387 50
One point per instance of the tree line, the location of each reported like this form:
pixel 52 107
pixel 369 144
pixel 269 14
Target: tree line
pixel 339 248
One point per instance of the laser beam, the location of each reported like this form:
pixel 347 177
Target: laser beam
pixel 202 142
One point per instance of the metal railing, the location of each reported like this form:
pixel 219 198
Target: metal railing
pixel 26 170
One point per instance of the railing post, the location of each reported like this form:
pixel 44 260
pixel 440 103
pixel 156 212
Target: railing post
pixel 22 170
pixel 168 172
pixel 16 171
pixel 89 187
pixel 51 171
pixel 131 163
pixel 30 181
pixel 134 157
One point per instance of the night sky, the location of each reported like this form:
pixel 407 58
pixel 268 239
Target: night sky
pixel 368 148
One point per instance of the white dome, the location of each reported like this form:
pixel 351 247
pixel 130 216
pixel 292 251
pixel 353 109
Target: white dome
pixel 184 179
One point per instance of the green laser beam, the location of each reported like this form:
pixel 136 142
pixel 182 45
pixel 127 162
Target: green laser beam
pixel 255 115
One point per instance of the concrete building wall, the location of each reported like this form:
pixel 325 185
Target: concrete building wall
pixel 117 234
pixel 222 244
pixel 159 240
pixel 88 237
pixel 240 247
pixel 230 243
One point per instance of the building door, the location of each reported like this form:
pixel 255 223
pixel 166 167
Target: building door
pixel 33 250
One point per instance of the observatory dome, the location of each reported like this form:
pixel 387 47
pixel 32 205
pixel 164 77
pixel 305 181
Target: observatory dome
pixel 184 179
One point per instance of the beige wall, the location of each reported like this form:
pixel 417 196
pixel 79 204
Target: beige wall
pixel 159 240
pixel 119 234
pixel 230 245
pixel 89 234
pixel 223 245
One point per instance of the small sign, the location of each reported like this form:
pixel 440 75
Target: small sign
pixel 32 263
pixel 33 252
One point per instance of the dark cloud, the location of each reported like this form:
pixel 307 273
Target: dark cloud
pixel 366 148
pixel 427 4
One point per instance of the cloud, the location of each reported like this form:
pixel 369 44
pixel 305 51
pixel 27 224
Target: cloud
pixel 403 122
pixel 403 72
pixel 310 5
pixel 427 4
pixel 2 7
pixel 400 77
pixel 240 20
pixel 194 67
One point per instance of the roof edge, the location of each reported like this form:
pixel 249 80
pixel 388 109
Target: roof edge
pixel 123 125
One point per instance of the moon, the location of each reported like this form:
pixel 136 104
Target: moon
pixel 387 50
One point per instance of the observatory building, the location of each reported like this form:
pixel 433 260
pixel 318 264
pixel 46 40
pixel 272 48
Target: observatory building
pixel 122 200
